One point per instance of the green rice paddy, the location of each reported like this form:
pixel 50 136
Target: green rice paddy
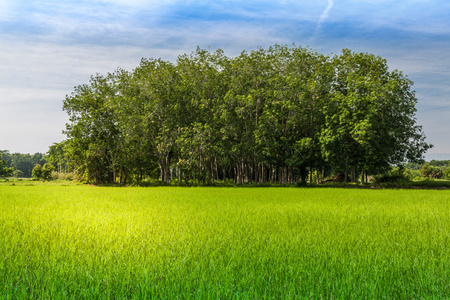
pixel 81 242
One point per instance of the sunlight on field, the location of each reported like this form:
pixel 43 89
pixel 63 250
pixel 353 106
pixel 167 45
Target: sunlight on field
pixel 223 243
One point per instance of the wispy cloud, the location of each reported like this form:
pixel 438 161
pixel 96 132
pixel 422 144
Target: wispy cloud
pixel 323 17
pixel 325 13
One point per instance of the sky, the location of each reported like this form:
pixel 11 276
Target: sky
pixel 48 47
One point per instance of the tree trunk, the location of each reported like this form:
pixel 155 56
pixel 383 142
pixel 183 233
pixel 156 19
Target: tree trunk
pixel 216 169
pixel 346 170
pixel 164 169
pixel 238 174
pixel 120 176
pixel 262 178
pixel 125 176
pixel 354 173
pixel 224 174
pixel 323 173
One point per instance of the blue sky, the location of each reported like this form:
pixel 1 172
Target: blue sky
pixel 48 47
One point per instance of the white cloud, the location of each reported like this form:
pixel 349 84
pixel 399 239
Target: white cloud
pixel 77 39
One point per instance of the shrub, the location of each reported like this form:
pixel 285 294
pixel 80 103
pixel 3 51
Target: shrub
pixel 63 176
pixel 431 171
pixel 44 173
pixel 55 175
pixel 37 171
pixel 447 173
pixel 69 176
pixel 396 175
pixel 414 173
pixel 17 173
pixel 47 171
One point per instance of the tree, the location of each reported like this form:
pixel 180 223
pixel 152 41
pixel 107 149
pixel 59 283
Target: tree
pixel 158 84
pixel 370 120
pixel 56 155
pixel 94 128
pixel 198 151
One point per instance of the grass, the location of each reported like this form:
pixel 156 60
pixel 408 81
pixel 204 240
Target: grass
pixel 35 182
pixel 222 243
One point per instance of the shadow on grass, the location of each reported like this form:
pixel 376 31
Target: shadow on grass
pixel 438 184
pixel 423 184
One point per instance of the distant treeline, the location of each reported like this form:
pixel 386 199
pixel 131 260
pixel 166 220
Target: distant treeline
pixel 272 115
pixel 433 162
pixel 23 164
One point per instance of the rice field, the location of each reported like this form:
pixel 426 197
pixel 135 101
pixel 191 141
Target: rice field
pixel 81 242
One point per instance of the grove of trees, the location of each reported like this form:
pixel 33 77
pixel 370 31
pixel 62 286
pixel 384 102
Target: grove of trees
pixel 281 114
